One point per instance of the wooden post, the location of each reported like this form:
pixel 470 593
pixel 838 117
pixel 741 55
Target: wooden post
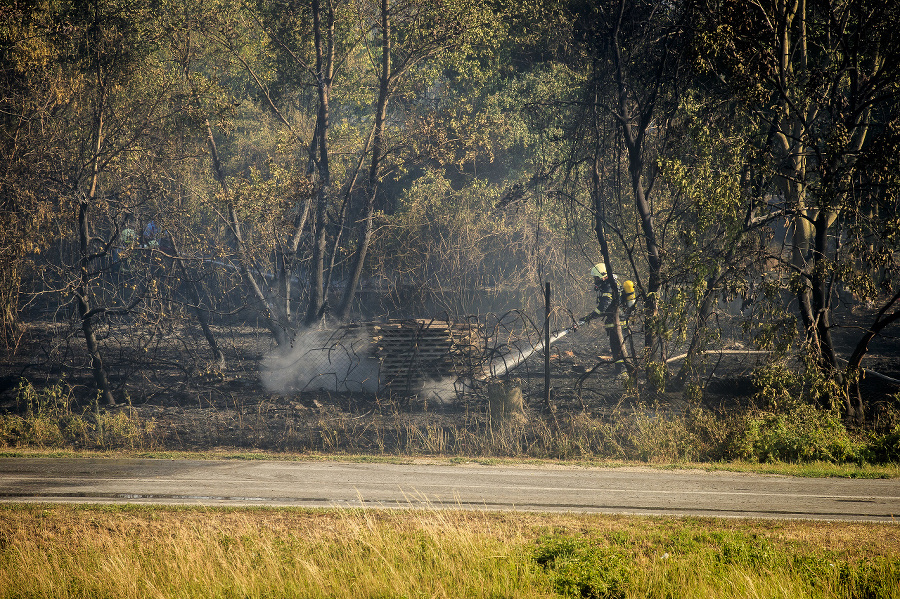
pixel 547 345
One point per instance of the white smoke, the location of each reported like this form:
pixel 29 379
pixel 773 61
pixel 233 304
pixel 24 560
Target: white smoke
pixel 323 361
pixel 500 366
pixel 443 391
pixel 344 360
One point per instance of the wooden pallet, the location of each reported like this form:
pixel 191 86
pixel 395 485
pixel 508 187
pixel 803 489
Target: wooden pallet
pixel 414 351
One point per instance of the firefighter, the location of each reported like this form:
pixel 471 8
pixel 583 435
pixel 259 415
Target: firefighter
pixel 608 308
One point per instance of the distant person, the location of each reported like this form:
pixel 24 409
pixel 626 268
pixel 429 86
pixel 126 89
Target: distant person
pixel 127 239
pixel 604 285
pixel 128 235
pixel 155 238
pixel 148 237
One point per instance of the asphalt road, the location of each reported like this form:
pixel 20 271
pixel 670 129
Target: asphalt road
pixel 335 484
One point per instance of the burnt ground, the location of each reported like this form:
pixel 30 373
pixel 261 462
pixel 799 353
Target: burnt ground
pixel 163 376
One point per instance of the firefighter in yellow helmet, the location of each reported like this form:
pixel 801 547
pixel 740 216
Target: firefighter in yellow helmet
pixel 604 285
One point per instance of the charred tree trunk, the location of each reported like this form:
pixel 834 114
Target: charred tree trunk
pixel 85 314
pixel 616 338
pixel 855 405
pixel 199 310
pixel 318 151
pixel 634 119
pixel 365 230
pixel 82 289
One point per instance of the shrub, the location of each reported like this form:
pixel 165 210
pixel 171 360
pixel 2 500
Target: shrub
pixel 885 447
pixel 50 420
pixel 801 434
pixel 579 568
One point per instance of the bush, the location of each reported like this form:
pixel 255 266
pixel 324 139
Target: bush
pixel 884 448
pixel 801 434
pixel 579 568
pixel 50 420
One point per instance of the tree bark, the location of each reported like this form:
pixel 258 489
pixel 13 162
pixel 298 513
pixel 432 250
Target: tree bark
pixel 82 290
pixel 365 229
pixel 324 42
pixel 616 338
pixel 856 406
pixel 634 124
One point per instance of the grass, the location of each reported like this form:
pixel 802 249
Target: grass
pixel 806 470
pixel 141 551
pixel 799 441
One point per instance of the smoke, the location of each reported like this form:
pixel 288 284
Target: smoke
pixel 339 361
pixel 500 366
pixel 441 391
pixel 324 360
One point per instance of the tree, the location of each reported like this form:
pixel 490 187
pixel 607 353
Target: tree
pixel 326 56
pixel 627 60
pixel 821 75
pixel 410 33
pixel 103 103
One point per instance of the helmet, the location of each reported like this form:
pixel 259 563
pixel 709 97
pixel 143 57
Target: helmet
pixel 599 270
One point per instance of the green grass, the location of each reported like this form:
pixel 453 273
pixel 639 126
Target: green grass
pixel 807 470
pixel 139 551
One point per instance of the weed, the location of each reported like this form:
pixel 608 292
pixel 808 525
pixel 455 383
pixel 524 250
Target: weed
pixel 802 434
pixel 580 568
pixel 50 420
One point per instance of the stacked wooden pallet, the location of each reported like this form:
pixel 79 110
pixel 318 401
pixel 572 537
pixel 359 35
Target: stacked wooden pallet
pixel 413 352
pixel 467 345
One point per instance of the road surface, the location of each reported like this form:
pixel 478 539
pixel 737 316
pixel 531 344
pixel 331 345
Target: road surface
pixel 349 485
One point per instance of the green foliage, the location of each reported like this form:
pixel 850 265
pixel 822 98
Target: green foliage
pixel 656 375
pixel 692 557
pixel 883 448
pixel 777 385
pixel 801 434
pixel 50 420
pixel 790 427
pixel 580 568
pixel 783 386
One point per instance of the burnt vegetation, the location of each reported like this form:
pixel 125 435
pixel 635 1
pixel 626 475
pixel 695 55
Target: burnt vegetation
pixel 327 226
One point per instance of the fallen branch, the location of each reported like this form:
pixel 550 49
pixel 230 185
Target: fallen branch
pixel 720 351
pixel 877 375
pixel 747 351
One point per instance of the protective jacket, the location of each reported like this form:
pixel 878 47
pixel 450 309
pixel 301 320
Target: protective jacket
pixel 605 297
pixel 609 310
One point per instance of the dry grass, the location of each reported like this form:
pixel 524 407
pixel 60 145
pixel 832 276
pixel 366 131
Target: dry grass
pixel 68 551
pixel 642 433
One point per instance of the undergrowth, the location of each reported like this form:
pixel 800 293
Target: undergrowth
pixel 51 420
pixel 791 431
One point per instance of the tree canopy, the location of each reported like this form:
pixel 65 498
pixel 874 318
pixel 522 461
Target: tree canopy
pixel 195 160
